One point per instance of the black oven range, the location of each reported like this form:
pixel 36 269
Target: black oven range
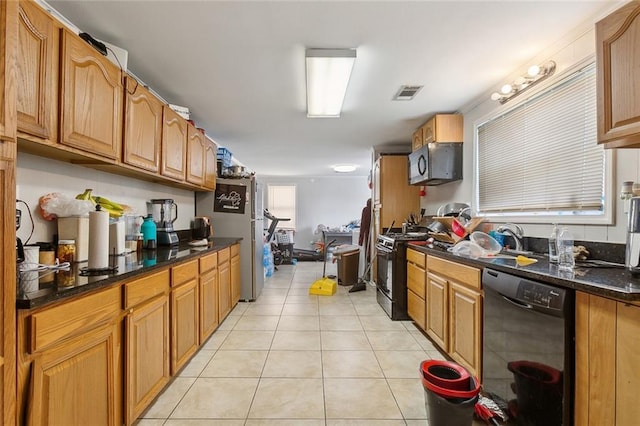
pixel 391 276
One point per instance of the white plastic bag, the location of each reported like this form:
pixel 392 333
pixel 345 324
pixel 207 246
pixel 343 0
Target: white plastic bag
pixel 60 205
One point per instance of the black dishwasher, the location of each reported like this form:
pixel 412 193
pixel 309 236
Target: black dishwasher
pixel 528 348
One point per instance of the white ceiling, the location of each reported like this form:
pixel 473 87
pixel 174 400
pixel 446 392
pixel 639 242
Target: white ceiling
pixel 239 65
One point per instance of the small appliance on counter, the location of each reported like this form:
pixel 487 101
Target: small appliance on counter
pixel 633 237
pixel 201 228
pixel 161 210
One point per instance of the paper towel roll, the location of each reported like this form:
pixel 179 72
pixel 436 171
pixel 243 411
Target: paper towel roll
pixel 98 240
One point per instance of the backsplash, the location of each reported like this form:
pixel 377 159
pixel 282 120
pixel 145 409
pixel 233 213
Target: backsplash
pixel 611 252
pixel 37 176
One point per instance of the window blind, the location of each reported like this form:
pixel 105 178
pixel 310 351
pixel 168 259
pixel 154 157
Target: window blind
pixel 282 203
pixel 541 157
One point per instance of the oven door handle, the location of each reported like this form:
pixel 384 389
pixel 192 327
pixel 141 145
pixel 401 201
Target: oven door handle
pixel 517 303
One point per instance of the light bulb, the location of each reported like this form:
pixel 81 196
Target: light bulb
pixel 506 89
pixel 495 96
pixel 533 70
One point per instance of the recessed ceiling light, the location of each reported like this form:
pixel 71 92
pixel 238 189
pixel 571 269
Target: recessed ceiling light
pixel 344 168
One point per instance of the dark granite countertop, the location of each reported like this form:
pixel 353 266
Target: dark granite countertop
pixel 613 282
pixel 35 289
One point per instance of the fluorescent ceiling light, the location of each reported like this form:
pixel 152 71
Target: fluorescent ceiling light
pixel 344 168
pixel 328 72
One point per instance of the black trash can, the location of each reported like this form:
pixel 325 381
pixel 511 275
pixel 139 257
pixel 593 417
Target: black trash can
pixel 449 405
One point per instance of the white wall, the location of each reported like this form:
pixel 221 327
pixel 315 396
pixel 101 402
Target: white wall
pixel 37 176
pixel 331 201
pixel 576 47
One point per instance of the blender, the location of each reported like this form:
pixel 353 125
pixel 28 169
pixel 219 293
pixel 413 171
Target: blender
pixel 161 210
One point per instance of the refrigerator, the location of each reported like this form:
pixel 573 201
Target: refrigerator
pixel 236 210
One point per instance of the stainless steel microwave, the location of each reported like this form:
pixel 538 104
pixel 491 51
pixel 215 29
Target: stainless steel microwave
pixel 436 163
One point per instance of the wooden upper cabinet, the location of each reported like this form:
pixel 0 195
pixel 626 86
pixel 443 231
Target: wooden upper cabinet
pixel 91 93
pixel 443 128
pixel 417 139
pixel 195 155
pixel 174 144
pixel 396 197
pixel 142 127
pixel 210 164
pixel 37 70
pixel 8 42
pixel 618 60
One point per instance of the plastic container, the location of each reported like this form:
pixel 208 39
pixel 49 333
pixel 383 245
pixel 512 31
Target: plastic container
pixel 566 261
pixel 553 244
pixel 467 249
pixel 487 242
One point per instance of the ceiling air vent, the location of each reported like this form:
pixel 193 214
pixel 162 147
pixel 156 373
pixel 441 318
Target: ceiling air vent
pixel 406 93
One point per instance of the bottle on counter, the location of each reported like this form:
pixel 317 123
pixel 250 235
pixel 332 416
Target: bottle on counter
pixel 553 244
pixel 565 250
pixel 149 232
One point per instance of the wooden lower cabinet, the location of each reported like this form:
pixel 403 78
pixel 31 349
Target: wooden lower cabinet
pixel 70 369
pixel 454 311
pixel 146 348
pixel 146 355
pixel 184 324
pixel 236 278
pixel 224 284
pixel 607 377
pixel 78 382
pixel 208 293
pixel 416 276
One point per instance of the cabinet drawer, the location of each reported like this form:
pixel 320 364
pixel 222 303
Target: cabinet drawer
pixel 416 257
pixel 54 324
pixel 183 273
pixel 461 273
pixel 235 250
pixel 415 279
pixel 223 255
pixel 208 262
pixel 145 288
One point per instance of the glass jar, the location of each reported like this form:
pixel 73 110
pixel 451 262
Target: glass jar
pixel 66 251
pixel 626 192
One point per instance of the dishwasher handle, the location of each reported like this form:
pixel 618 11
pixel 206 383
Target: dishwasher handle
pixel 517 303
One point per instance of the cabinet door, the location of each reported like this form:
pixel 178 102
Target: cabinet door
pixel 8 42
pixel 397 198
pixel 428 132
pixel 415 279
pixel 174 144
pixel 416 140
pixel 142 127
pixel 184 324
pixel 195 156
pixel 627 360
pixel 37 66
pixel 208 304
pixel 236 281
pixel 7 297
pixel 465 331
pixel 416 309
pixel 210 164
pixel 91 96
pixel 79 382
pixel 617 46
pixel 437 316
pixel 146 355
pixel 224 290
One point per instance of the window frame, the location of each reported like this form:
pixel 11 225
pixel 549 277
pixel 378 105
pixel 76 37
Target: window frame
pixel 565 217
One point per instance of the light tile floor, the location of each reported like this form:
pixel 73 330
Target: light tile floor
pixel 291 358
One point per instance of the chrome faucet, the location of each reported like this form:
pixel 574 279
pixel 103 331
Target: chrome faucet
pixel 515 231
